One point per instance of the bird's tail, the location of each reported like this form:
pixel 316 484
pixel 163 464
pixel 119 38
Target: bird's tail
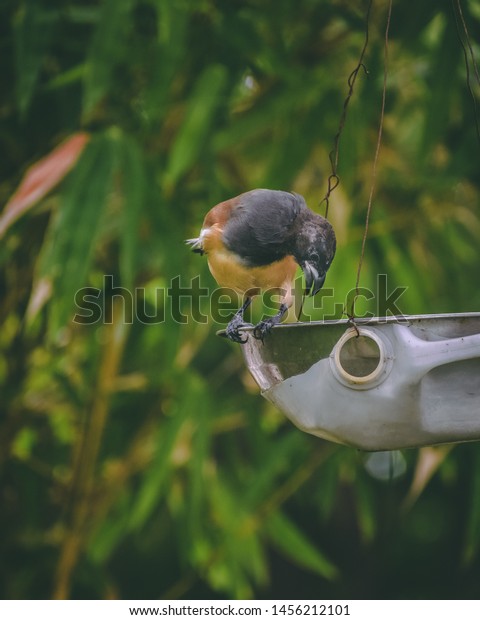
pixel 196 245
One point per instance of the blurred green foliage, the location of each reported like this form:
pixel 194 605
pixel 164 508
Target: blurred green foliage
pixel 139 460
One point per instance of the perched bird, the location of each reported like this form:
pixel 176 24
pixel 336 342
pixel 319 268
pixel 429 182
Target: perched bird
pixel 254 243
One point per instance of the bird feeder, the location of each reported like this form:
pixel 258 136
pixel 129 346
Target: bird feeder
pixel 379 384
pixel 385 383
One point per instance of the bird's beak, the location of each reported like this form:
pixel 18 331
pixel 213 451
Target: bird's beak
pixel 313 280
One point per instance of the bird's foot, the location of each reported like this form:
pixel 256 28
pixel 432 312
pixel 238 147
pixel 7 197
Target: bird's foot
pixel 233 329
pixel 264 328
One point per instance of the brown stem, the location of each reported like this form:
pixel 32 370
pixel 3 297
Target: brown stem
pixel 86 456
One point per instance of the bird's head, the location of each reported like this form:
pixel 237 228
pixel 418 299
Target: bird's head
pixel 314 251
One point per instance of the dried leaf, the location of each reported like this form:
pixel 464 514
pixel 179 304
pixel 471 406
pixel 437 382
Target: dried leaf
pixel 68 250
pixel 429 460
pixel 42 177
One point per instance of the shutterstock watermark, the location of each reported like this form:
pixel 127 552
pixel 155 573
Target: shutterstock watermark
pixel 183 301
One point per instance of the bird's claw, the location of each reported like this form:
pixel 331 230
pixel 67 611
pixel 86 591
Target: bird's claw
pixel 232 330
pixel 234 336
pixel 263 329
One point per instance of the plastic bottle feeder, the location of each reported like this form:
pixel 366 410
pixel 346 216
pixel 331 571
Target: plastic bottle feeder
pixel 393 382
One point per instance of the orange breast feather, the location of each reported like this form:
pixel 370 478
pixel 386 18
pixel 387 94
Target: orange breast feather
pixel 230 272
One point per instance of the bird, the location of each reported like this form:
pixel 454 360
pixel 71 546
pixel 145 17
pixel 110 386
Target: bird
pixel 255 241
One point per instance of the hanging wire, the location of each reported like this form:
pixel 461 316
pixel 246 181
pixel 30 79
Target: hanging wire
pixel 351 315
pixel 334 180
pixel 458 14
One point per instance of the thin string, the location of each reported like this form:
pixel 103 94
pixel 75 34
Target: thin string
pixel 375 162
pixel 334 180
pixel 458 14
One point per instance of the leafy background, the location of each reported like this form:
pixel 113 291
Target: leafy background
pixel 138 460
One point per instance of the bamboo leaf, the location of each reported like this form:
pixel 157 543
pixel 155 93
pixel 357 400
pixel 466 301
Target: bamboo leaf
pixel 42 177
pixel 274 461
pixel 108 535
pixel 270 110
pixel 200 446
pixel 196 126
pixel 442 73
pixel 155 478
pixel 108 47
pixel 327 491
pixel 472 539
pixel 243 558
pixel 429 461
pixel 67 259
pixel 33 29
pixel 132 174
pixel 296 546
pixel 365 506
pixel 172 16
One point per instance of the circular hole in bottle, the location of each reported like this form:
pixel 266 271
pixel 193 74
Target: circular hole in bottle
pixel 360 356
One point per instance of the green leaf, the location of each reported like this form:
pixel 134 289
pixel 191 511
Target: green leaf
pixel 284 162
pixel 200 446
pixel 365 505
pixel 24 442
pixel 242 558
pixel 440 92
pixel 274 461
pixel 107 539
pixel 328 484
pixel 132 174
pixel 200 113
pixel 67 259
pixel 472 539
pixel 166 55
pixel 32 29
pixel 271 110
pixel 153 485
pixel 107 49
pixel 296 546
pixel 252 557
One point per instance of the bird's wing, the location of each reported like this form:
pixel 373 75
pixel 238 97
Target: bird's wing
pixel 260 226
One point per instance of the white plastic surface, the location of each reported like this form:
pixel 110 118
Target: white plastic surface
pixel 423 391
